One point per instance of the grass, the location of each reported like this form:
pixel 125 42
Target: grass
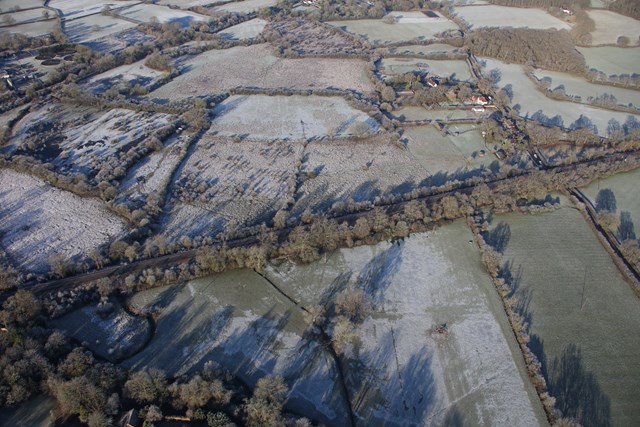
pixel 611 25
pixel 164 15
pixel 246 6
pixel 623 186
pixel 612 60
pixel 502 16
pixel 454 69
pixel 246 30
pixel 238 320
pixel 37 412
pixel 94 27
pixel 424 49
pixel 400 372
pixel 574 294
pixel 449 153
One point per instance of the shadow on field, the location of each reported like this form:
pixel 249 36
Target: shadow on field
pixel 376 275
pixel 577 392
pixel 454 418
pixel 499 237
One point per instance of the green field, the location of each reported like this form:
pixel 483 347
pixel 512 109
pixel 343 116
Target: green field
pixel 572 294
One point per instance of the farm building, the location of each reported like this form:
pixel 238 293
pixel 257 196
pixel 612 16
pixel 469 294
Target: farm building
pixel 479 100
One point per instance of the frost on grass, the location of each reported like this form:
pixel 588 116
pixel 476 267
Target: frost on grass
pixel 129 74
pixel 218 71
pixel 146 12
pixel 436 346
pixel 503 16
pixel 112 337
pixel 262 117
pixel 245 30
pixel 77 140
pixel 239 321
pixel 223 181
pixel 37 221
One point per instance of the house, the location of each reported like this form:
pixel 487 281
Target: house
pixel 501 154
pixel 431 82
pixel 567 11
pixel 130 419
pixel 479 100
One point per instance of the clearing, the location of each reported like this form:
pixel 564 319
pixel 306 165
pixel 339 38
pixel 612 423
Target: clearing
pixel 297 117
pixel 37 221
pixel 584 318
pixel 611 25
pixel 217 71
pixel 503 16
pixel 612 60
pixel 460 148
pixel 407 26
pixel 455 70
pixel 437 348
pixel 531 103
pixel 240 321
pixel 577 86
pixel 624 187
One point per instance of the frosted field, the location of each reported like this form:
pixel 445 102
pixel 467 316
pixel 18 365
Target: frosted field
pixel 408 26
pixel 37 221
pixel 186 4
pixel 115 336
pixel 416 113
pixel 574 294
pixel 240 321
pixel 612 60
pixel 535 105
pixel 410 114
pixel 246 30
pixel 454 70
pixel 246 6
pixel 624 187
pixel 71 9
pixel 503 16
pixel 95 27
pixel 133 74
pixel 37 412
pixel 578 86
pixel 218 71
pixel 88 136
pixel 33 29
pixel 263 117
pixel 25 16
pixel 424 49
pixel 400 372
pixel 450 153
pixel 359 170
pixel 610 26
pixel 164 15
pixel 7 5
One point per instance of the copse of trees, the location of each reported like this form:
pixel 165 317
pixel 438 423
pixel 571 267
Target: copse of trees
pixel 626 7
pixel 543 3
pixel 548 49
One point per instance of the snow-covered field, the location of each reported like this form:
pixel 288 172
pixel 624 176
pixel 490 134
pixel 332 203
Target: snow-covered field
pixel 624 187
pixel 448 153
pixel 71 9
pixel 132 74
pixel 503 16
pixel 246 30
pixel 112 337
pixel 186 4
pixel 408 26
pixel 611 25
pixel 455 70
pixel 37 412
pixel 612 60
pixel 25 16
pixel 575 295
pixel 8 5
pixel 534 104
pixel 94 27
pixel 239 321
pixel 577 86
pixel 419 113
pixel 218 71
pixel 263 117
pixel 164 15
pixel 245 6
pixel 37 221
pixel 401 371
pixel 33 29
pixel 424 49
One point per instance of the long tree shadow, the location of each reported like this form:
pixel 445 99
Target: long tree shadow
pixel 376 275
pixel 499 237
pixel 577 392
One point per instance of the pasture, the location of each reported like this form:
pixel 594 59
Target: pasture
pixel 503 16
pixel 533 104
pixel 459 149
pixel 240 321
pixel 611 25
pixel 411 114
pixel 151 12
pixel 296 117
pixel 418 49
pixel 218 71
pixel 37 412
pixel 72 9
pixel 95 27
pixel 112 337
pixel 37 221
pixel 8 5
pixel 407 26
pixel 454 70
pixel 245 6
pixel 26 16
pixel 437 346
pixel 624 187
pixel 583 316
pixel 33 29
pixel 130 74
pixel 577 86
pixel 612 60
pixel 245 30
